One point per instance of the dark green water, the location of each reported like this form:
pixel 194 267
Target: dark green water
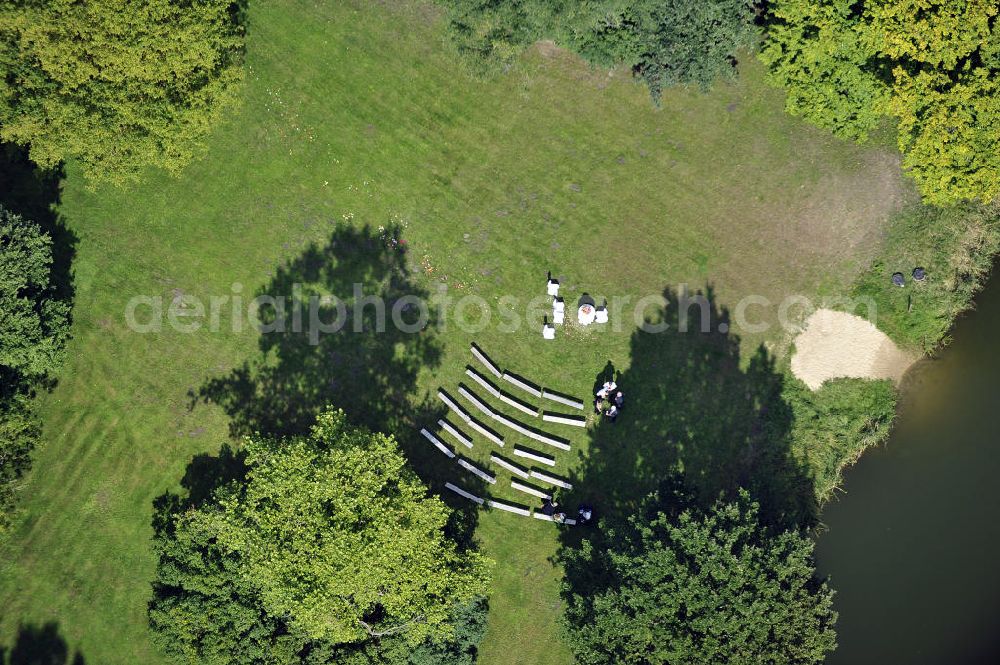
pixel 913 547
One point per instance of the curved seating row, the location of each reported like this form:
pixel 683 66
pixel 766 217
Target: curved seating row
pixel 507 507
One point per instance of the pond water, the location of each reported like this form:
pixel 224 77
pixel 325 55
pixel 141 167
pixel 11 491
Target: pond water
pixel 913 547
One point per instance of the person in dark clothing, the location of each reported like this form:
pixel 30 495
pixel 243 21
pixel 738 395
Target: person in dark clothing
pixel 619 400
pixel 585 512
pixel 612 413
pixel 549 507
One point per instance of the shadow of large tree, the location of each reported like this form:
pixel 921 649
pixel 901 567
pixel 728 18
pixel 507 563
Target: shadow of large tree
pixel 694 412
pixel 368 367
pixel 40 645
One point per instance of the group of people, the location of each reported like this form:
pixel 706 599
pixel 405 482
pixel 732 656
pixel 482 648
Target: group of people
pixel 616 400
pixel 585 512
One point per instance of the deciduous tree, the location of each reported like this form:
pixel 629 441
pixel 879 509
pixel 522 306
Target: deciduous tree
pixel 933 65
pixel 695 587
pixel 665 42
pixel 330 545
pixel 118 85
pixel 33 325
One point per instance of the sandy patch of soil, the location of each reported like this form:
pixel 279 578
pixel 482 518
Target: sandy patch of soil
pixel 837 344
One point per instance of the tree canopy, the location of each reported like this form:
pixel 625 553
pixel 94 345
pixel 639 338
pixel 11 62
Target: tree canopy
pixel 665 42
pixel 33 327
pixel 694 587
pixel 932 65
pixel 118 85
pixel 34 324
pixel 328 544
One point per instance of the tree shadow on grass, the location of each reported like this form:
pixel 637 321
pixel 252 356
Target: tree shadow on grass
pixel 33 194
pixel 205 474
pixel 368 367
pixel 692 411
pixel 40 645
pixel 697 425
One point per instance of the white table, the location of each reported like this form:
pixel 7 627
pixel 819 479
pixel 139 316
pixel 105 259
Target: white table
pixel 586 314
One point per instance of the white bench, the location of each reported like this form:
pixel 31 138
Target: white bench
pixel 550 518
pixel 476 402
pixel 528 489
pixel 469 466
pixel 509 508
pixel 516 469
pixel 483 381
pixel 578 421
pixel 486 431
pixel 552 441
pixel 511 423
pixel 552 480
pixel 461 436
pixel 453 405
pixel 528 432
pixel 485 360
pixel 461 492
pixel 522 384
pixel 523 407
pixel 538 457
pixel 437 442
pixel 562 399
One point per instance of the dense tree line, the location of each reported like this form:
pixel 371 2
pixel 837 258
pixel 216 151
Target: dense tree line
pixel 684 585
pixel 34 324
pixel 931 65
pixel 118 85
pixel 665 42
pixel 321 549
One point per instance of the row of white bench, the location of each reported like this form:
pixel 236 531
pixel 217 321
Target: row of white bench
pixel 464 463
pixel 469 420
pixel 459 435
pixel 472 468
pixel 537 457
pixel 521 383
pixel 564 419
pixel 501 395
pixel 513 467
pixel 478 402
pixel 508 507
pixel 507 398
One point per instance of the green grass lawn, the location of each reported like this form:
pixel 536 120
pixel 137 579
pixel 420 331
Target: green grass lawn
pixel 359 112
